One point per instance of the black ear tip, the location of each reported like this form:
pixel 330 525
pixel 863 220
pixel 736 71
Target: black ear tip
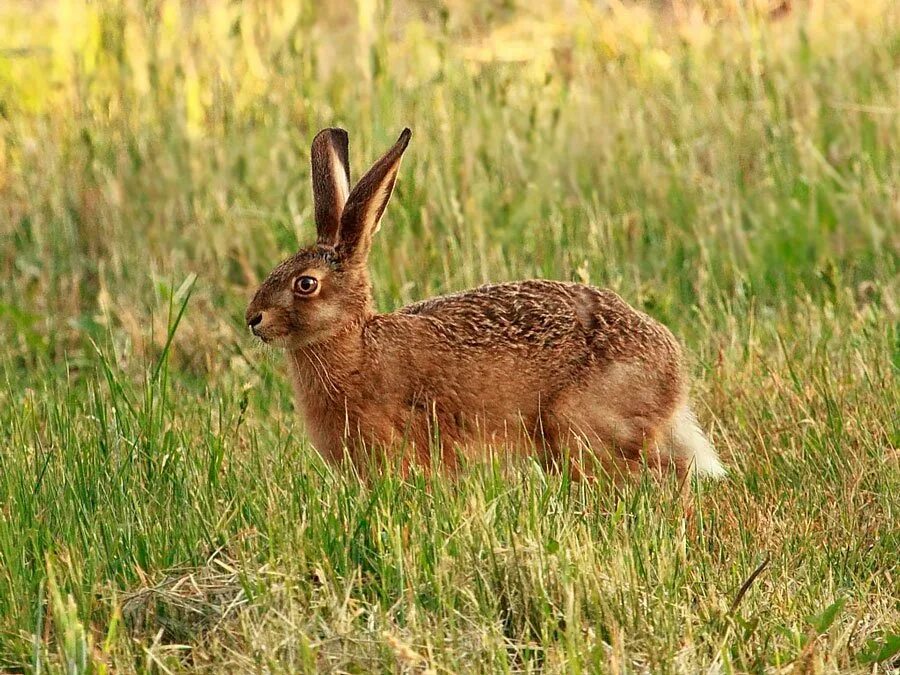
pixel 331 132
pixel 405 135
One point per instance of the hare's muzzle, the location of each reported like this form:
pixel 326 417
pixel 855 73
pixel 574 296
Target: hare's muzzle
pixel 254 321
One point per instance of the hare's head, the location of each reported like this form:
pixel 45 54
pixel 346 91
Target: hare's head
pixel 322 289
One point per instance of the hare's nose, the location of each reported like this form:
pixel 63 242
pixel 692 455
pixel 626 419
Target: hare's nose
pixel 254 321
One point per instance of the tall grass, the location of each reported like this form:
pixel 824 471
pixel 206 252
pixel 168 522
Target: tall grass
pixel 732 171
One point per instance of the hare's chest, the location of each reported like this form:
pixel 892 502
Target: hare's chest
pixel 345 420
pixel 322 425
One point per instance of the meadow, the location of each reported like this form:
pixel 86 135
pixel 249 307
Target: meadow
pixel 731 168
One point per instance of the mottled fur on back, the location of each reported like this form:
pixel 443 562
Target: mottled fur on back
pixel 550 314
pixel 562 369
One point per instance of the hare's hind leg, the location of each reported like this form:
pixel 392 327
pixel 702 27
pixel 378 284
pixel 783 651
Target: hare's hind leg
pixel 618 418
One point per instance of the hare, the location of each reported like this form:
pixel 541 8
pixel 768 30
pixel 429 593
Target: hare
pixel 558 369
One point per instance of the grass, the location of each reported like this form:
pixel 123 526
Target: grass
pixel 730 171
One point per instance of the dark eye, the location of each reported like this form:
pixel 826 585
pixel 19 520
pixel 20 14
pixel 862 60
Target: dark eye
pixel 305 285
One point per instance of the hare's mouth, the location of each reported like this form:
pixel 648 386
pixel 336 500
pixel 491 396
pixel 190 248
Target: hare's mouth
pixel 276 340
pixel 262 335
pixel 265 331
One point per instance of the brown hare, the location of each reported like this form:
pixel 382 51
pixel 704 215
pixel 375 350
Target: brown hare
pixel 558 369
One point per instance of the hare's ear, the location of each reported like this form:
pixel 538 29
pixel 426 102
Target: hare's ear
pixel 330 161
pixel 368 200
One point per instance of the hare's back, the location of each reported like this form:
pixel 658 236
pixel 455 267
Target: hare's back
pixel 546 314
pixel 511 314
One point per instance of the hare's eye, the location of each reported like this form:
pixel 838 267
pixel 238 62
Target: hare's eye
pixel 305 285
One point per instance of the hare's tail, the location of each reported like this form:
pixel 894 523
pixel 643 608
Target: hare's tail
pixel 691 448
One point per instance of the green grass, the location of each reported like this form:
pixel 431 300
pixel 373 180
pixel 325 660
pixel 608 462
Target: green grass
pixel 160 506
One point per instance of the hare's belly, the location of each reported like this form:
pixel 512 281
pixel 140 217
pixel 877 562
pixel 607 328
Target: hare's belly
pixel 503 410
pixel 471 432
pixel 468 400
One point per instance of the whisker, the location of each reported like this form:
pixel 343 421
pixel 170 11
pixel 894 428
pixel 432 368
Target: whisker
pixel 321 374
pixel 325 372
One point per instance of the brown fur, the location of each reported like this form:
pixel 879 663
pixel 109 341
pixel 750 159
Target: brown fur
pixel 534 366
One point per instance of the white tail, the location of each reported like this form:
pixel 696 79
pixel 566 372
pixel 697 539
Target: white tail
pixel 689 444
